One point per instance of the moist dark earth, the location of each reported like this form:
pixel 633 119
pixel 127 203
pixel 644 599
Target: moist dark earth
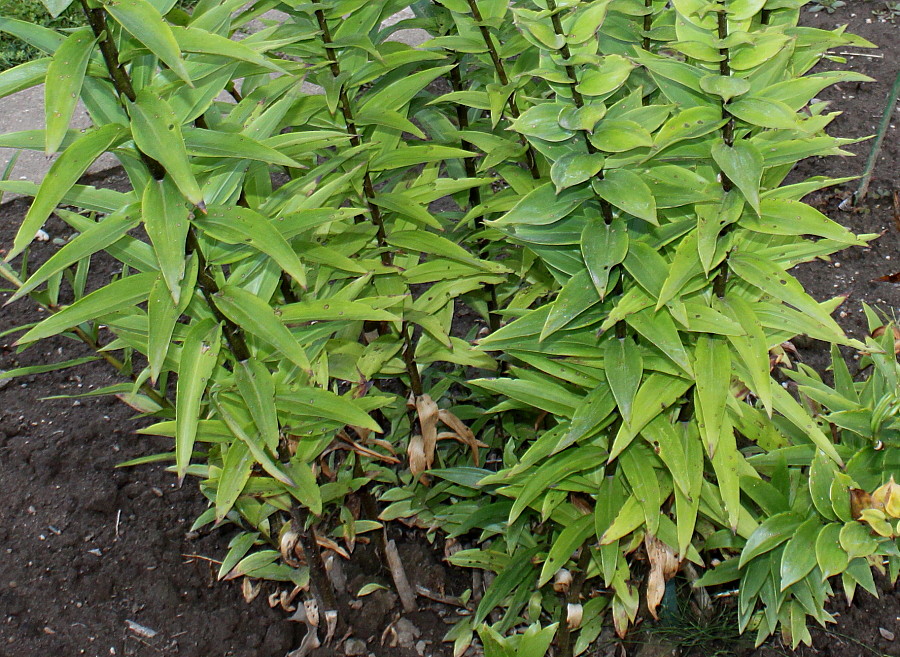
pixel 97 560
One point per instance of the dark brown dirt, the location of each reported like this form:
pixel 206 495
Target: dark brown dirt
pixel 88 548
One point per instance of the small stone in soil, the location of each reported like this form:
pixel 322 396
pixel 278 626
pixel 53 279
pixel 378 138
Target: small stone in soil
pixel 353 647
pixel 887 634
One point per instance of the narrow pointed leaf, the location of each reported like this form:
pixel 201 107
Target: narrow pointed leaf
pixel 712 369
pixel 144 22
pixel 236 225
pixel 627 191
pixel 63 174
pixel 742 163
pixel 167 220
pixel 119 295
pixel 64 79
pixel 624 368
pixel 254 382
pixel 157 133
pixel 198 360
pixel 163 313
pixel 257 318
pixel 94 239
pixel 603 246
pixel 236 469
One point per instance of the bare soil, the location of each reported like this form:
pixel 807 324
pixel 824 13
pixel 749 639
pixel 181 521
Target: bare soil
pixel 100 561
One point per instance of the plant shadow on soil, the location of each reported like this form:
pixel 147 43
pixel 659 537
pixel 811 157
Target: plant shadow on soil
pixel 88 548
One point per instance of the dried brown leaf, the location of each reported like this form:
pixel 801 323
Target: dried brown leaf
pixel 663 566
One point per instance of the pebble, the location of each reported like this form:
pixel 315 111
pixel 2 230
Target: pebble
pixel 887 634
pixel 354 647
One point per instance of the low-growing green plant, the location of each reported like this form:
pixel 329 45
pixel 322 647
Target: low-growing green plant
pixel 599 182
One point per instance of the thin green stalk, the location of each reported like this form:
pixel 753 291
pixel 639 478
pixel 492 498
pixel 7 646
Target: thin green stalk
pixel 355 139
pixel 387 256
pixel 721 277
pixel 462 118
pixel 500 68
pixel 863 189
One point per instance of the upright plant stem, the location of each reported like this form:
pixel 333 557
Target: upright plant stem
pixel 648 24
pixel 124 88
pixel 462 118
pixel 355 139
pixel 318 574
pixel 502 75
pixel 578 99
pixel 387 259
pixel 728 137
pixel 863 189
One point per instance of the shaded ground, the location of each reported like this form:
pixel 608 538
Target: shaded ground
pixel 88 548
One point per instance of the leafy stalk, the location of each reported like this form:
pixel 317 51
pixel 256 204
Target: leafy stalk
pixel 502 75
pixel 721 277
pixel 122 82
pixel 387 257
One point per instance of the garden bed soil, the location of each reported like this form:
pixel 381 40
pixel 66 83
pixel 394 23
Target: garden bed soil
pixel 100 561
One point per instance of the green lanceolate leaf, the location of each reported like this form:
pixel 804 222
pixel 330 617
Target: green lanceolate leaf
pixel 569 540
pixel 742 163
pixel 119 295
pixel 63 173
pixel 64 79
pixel 56 7
pixel 857 540
pixel 236 468
pixel 542 206
pixel 257 318
pixel 239 423
pixel 157 133
pixel 637 466
pixel 93 240
pixel 215 143
pixel 726 462
pixel 162 314
pixel 712 368
pixel 769 535
pixel 308 402
pixel 798 558
pixel 144 22
pixel 257 388
pixel 236 225
pixel 198 360
pixel 542 122
pixel 192 39
pixel 626 190
pixel 821 476
pixel 554 471
pixel 603 246
pixel 623 366
pixel 576 297
pixel 167 221
pixel 724 86
pixel 773 280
